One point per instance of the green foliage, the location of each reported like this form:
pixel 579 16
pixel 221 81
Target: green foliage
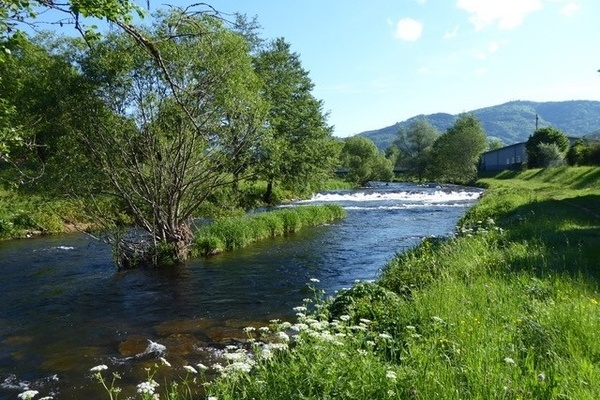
pixel 232 233
pixel 455 154
pixel 547 135
pixel 301 153
pixel 364 161
pixel 414 144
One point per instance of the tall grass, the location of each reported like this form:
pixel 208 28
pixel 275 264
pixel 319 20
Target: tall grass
pixel 234 232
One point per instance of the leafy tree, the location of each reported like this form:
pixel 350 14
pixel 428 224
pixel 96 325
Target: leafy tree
pixel 181 106
pixel 301 152
pixel 546 135
pixel 549 155
pixel 364 161
pixel 455 154
pixel 578 153
pixel 414 144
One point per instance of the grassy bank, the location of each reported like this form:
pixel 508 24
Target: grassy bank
pixel 230 233
pixel 508 309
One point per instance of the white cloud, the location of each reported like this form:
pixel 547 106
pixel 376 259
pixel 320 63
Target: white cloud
pixel 409 29
pixel 570 9
pixel 506 14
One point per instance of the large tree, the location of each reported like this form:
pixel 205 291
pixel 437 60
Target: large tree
pixel 455 154
pixel 181 106
pixel 537 156
pixel 414 144
pixel 364 162
pixel 301 151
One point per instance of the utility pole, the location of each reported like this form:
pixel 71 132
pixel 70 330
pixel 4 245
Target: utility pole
pixel 537 118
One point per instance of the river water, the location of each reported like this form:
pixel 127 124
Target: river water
pixel 64 308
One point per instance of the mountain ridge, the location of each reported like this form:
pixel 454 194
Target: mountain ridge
pixel 511 122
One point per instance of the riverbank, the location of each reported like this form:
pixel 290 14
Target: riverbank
pixel 509 308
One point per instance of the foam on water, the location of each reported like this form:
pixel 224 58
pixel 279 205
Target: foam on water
pixel 438 196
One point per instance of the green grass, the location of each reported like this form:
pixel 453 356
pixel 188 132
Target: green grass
pixel 234 232
pixel 33 214
pixel 508 309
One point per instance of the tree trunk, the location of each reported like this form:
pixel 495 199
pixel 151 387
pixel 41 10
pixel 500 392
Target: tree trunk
pixel 268 197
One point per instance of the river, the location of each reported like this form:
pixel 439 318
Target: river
pixel 64 307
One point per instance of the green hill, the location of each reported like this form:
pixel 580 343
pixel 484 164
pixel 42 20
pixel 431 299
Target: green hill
pixel 512 122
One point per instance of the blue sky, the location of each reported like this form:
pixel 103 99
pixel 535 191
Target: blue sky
pixel 380 62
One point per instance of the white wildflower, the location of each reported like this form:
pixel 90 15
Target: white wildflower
pixel 201 367
pixel 211 398
pixel 249 329
pixel 391 375
pixel 264 329
pixel 345 318
pixel 47 398
pixel 234 356
pixel 165 362
pixel 365 321
pixel 509 361
pixel 190 369
pixel 28 394
pixel 98 368
pixel 283 337
pixel 299 327
pixel 286 325
pixel 300 309
pixel 275 321
pixel 231 347
pixel 410 328
pixel 148 387
pixel 314 280
pixel 385 336
pixel 438 320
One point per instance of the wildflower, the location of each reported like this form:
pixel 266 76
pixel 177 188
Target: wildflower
pixel 275 321
pixel 98 368
pixel 345 318
pixel 28 394
pixel 212 398
pixel 190 369
pixel 234 356
pixel 307 300
pixel 365 321
pixel 231 347
pixel 286 325
pixel 299 327
pixel 264 329
pixel 165 362
pixel 410 328
pixel 279 346
pixel 438 320
pixel 249 329
pixel 47 398
pixel 283 336
pixel 148 387
pixel 391 375
pixel 201 367
pixel 385 336
pixel 314 280
pixel 509 361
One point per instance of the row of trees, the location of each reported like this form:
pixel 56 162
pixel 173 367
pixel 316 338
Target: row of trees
pixel 422 152
pixel 550 147
pixel 159 118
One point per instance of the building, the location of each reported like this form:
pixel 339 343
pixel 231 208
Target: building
pixel 509 157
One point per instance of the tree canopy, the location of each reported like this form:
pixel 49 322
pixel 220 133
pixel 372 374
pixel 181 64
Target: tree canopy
pixel 547 135
pixel 414 146
pixel 364 162
pixel 455 154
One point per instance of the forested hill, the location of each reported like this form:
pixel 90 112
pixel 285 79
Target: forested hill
pixel 511 122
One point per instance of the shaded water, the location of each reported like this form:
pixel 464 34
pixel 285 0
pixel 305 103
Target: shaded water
pixel 64 308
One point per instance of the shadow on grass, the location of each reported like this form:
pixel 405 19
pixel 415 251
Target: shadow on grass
pixel 567 233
